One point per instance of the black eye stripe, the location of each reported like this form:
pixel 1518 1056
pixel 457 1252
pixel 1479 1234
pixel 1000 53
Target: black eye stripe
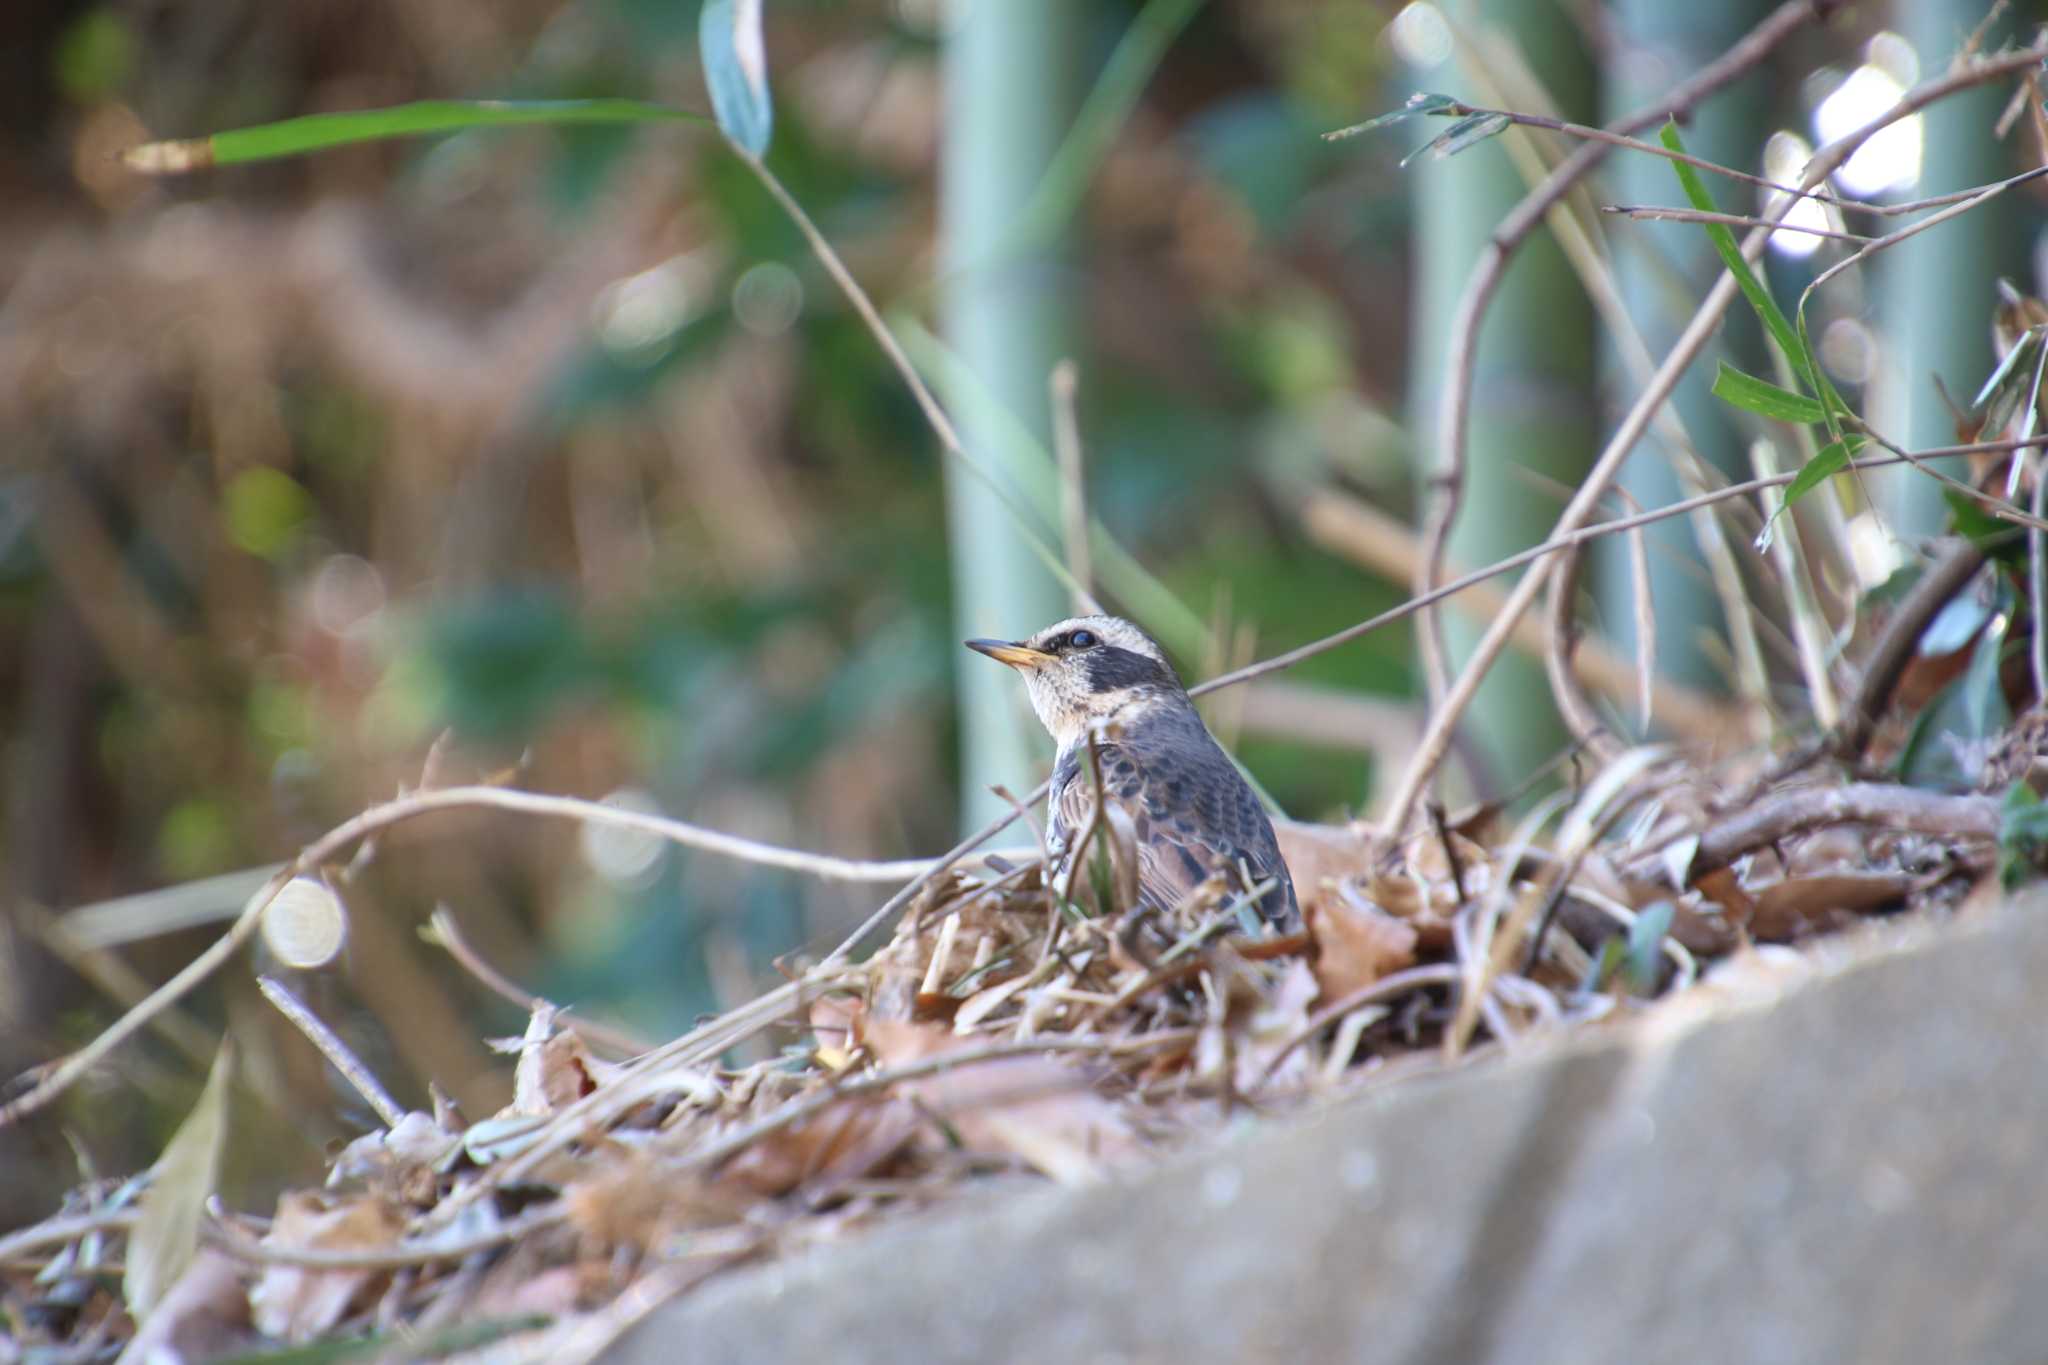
pixel 1110 668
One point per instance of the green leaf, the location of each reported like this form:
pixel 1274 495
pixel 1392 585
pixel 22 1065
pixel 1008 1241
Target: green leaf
pixel 1419 104
pixel 1829 461
pixel 2022 831
pixel 317 132
pixel 1945 747
pixel 166 1235
pixel 1763 398
pixel 2000 540
pixel 1645 946
pixel 1601 969
pixel 1753 289
pixel 1466 132
pixel 736 70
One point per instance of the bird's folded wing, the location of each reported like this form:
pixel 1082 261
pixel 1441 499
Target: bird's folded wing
pixel 1169 810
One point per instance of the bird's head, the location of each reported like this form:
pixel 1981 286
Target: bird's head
pixel 1087 670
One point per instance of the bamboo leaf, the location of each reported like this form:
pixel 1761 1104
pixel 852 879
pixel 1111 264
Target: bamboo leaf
pixel 1753 289
pixel 735 61
pixel 1418 105
pixel 166 1236
pixel 1645 946
pixel 1763 398
pixel 1830 460
pixel 317 132
pixel 1466 132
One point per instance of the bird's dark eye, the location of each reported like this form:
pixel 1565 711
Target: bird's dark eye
pixel 1082 639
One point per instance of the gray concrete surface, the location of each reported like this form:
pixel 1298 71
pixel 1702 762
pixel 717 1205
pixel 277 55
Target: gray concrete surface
pixel 1840 1162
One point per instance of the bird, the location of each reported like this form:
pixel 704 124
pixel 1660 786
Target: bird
pixel 1191 811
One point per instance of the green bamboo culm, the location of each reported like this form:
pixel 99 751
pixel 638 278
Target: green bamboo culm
pixel 1533 419
pixel 1656 44
pixel 1938 291
pixel 1005 311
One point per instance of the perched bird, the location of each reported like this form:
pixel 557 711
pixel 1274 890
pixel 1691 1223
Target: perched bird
pixel 1191 810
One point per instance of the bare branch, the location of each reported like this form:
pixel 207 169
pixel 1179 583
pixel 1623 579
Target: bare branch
pixel 1454 405
pixel 1705 321
pixel 333 1049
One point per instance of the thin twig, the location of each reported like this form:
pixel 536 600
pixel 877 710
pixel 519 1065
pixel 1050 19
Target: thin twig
pixel 1446 484
pixel 1393 984
pixel 1385 545
pixel 333 1049
pixel 446 933
pixel 399 1256
pixel 738 1139
pixel 1612 138
pixel 412 806
pixel 1584 724
pixel 1578 536
pixel 1784 814
pixel 1659 213
pixel 934 414
pixel 1895 647
pixel 1973 199
pixel 894 905
pixel 1810 632
pixel 1705 321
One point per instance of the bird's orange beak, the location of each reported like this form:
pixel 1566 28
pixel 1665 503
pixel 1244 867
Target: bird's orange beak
pixel 1011 653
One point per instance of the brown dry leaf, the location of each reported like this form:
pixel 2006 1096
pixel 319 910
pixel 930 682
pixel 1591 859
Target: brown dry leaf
pixel 569 1071
pixel 297 1304
pixel 1788 907
pixel 556 1067
pixel 847 1140
pixel 205 1315
pixel 1357 943
pixel 639 1202
pixel 167 1236
pixel 836 1020
pixel 1725 889
pixel 1320 854
pixel 1280 1018
pixel 1034 1106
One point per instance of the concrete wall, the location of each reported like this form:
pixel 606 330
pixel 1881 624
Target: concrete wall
pixel 1835 1160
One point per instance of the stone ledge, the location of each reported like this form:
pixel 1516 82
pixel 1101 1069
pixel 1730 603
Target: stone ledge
pixel 1843 1166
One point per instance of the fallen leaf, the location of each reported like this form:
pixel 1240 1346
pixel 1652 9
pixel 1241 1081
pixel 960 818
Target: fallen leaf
pixel 1357 943
pixel 297 1304
pixel 167 1234
pixel 846 1140
pixel 1784 909
pixel 1035 1106
pixel 205 1316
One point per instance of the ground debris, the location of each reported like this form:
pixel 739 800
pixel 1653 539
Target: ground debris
pixel 1004 1034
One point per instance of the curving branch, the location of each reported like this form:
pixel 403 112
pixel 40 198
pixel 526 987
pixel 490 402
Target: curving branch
pixel 1447 481
pixel 1436 740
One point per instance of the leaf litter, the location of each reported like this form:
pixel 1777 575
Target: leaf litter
pixel 1016 1032
pixel 1004 1036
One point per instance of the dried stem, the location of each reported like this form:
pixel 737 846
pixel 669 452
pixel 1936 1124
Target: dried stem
pixel 447 934
pixel 730 1144
pixel 1948 575
pixel 1454 411
pixel 1705 321
pixel 1659 213
pixel 333 1049
pixel 1784 814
